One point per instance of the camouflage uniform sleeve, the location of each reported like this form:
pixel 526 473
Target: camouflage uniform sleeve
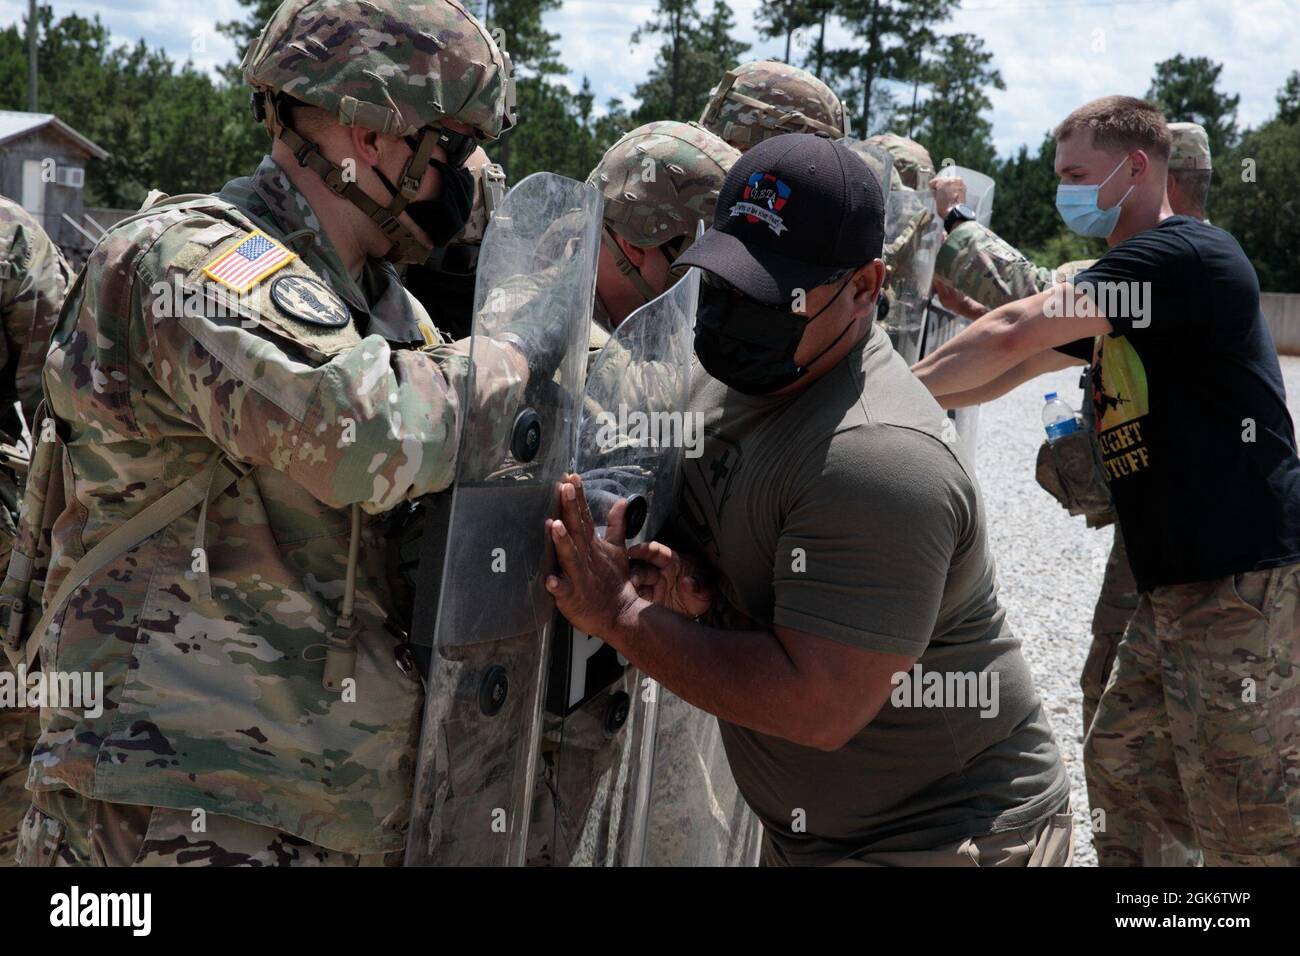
pixel 34 278
pixel 977 262
pixel 349 419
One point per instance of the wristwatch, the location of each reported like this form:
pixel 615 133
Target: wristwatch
pixel 956 215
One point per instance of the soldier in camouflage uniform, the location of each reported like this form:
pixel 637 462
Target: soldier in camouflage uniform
pixel 1190 170
pixel 766 98
pixel 255 713
pixel 911 159
pixel 982 272
pixel 34 278
pixel 658 181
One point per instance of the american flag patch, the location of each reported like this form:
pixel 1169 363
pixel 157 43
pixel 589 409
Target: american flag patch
pixel 255 258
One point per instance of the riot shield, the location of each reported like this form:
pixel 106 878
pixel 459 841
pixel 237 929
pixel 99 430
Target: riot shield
pixel 880 160
pixel 598 749
pixel 482 608
pixel 913 236
pixel 979 191
pixel 943 325
pixel 696 814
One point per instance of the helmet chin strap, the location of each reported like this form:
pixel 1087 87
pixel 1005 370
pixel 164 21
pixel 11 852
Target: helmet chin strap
pixel 625 265
pixel 406 247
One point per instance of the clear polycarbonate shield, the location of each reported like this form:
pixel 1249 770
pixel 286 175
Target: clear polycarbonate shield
pixel 597 756
pixel 941 326
pixel 482 605
pixel 696 815
pixel 913 236
pixel 880 160
pixel 979 191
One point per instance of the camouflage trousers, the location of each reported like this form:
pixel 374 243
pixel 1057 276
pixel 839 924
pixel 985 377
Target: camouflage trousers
pixel 19 730
pixel 63 828
pixel 1115 606
pixel 1197 734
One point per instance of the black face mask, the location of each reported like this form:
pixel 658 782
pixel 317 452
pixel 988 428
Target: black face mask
pixel 749 346
pixel 444 217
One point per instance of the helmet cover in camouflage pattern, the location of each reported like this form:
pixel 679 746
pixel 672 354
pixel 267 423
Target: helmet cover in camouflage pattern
pixel 394 66
pixel 660 179
pixel 765 98
pixel 1191 147
pixel 911 159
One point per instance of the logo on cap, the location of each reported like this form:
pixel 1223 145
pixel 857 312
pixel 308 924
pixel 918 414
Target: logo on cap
pixel 764 196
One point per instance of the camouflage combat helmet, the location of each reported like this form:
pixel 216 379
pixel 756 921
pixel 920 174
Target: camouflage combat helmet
pixel 658 181
pixel 1191 147
pixel 765 98
pixel 399 67
pixel 911 159
pixel 489 191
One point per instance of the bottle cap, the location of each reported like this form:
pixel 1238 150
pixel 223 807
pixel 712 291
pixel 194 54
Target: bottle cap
pixel 1049 396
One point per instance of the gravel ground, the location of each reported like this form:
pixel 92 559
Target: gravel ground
pixel 1049 564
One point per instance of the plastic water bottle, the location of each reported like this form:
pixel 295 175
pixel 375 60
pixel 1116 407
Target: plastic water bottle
pixel 1058 418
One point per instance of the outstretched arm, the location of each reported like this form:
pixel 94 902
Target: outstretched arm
pixel 1007 336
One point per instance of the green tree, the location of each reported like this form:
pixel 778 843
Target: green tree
pixel 1186 89
pixel 949 123
pixel 1024 212
pixel 781 18
pixel 892 34
pixel 1288 99
pixel 695 54
pixel 166 127
pixel 516 26
pixel 1254 199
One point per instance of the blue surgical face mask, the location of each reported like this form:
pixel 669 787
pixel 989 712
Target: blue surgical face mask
pixel 1078 207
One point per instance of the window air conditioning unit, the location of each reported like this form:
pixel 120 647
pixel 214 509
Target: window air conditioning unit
pixel 72 176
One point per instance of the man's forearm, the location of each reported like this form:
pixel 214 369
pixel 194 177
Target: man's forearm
pixel 1048 360
pixel 975 357
pixel 1008 336
pixel 743 677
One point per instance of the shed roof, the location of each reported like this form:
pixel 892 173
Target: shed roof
pixel 14 124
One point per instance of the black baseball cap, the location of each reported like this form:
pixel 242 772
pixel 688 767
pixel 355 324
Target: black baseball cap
pixel 795 212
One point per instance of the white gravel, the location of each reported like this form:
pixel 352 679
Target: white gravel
pixel 1050 565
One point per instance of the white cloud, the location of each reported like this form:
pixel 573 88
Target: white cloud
pixel 1044 48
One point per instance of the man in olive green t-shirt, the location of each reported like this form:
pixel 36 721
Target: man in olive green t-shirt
pixel 875 708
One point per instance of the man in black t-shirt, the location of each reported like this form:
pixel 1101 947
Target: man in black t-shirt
pixel 1201 717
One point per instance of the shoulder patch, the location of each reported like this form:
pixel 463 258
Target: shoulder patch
pixel 309 300
pixel 249 262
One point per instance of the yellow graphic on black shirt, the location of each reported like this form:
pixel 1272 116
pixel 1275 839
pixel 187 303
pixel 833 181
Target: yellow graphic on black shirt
pixel 1119 394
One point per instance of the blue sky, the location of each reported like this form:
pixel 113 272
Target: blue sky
pixel 1053 54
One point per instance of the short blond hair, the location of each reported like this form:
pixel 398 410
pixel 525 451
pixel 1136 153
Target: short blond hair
pixel 1122 122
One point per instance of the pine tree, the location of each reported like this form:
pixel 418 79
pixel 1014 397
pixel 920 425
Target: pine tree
pixel 1185 88
pixel 948 123
pixel 893 34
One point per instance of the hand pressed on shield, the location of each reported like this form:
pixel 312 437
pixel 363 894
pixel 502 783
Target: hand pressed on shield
pixel 594 590
pixel 670 579
pixel 948 191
